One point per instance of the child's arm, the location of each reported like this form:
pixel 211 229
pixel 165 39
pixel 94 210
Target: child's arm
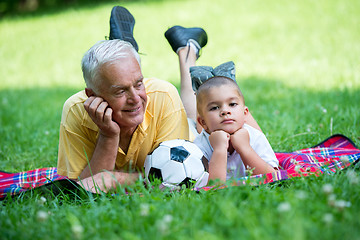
pixel 240 140
pixel 219 140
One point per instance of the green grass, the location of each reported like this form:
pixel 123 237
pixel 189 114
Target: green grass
pixel 298 67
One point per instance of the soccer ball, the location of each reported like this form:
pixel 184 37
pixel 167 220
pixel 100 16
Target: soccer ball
pixel 176 162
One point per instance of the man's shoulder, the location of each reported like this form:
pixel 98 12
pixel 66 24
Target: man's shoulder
pixel 76 98
pixel 161 92
pixel 74 103
pixel 154 85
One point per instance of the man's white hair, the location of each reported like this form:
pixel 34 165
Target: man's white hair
pixel 105 51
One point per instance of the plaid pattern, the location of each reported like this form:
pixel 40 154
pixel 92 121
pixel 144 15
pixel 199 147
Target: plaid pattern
pixel 333 154
pixel 15 183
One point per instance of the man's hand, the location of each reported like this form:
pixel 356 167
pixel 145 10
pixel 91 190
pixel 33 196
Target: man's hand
pixel 107 181
pixel 107 144
pixel 101 114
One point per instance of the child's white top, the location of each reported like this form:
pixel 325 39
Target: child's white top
pixel 235 166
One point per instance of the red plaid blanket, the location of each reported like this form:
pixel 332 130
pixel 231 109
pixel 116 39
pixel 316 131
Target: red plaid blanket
pixel 334 154
pixel 15 183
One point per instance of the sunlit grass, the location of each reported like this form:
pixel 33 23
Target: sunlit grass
pixel 298 67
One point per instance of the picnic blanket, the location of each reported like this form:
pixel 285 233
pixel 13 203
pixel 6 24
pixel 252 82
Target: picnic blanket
pixel 333 154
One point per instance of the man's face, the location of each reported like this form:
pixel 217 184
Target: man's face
pixel 123 88
pixel 222 109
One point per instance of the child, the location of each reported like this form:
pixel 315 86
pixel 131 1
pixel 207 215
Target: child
pixel 231 138
pixel 229 144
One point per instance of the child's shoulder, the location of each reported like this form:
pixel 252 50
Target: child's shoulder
pixel 252 130
pixel 255 135
pixel 201 137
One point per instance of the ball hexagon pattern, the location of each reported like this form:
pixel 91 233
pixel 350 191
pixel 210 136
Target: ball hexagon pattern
pixel 176 163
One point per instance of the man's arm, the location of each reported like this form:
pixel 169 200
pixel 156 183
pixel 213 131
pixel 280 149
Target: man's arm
pixel 103 158
pixel 108 180
pixel 107 145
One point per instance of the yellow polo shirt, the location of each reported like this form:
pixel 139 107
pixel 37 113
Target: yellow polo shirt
pixel 165 119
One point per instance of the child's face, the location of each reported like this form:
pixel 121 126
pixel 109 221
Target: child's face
pixel 222 109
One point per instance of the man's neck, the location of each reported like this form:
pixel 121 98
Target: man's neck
pixel 125 138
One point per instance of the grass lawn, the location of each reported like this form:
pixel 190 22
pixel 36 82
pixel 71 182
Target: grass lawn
pixel 298 66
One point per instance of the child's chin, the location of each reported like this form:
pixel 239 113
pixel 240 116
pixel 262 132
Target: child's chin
pixel 232 130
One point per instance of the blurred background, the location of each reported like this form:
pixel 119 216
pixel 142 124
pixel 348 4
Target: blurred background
pixel 301 43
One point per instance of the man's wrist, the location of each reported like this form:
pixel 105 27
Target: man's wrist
pixel 107 137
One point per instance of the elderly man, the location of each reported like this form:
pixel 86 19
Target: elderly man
pixel 108 129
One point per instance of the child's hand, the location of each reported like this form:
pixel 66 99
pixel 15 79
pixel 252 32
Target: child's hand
pixel 219 139
pixel 240 139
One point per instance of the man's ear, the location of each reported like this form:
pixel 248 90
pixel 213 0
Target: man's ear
pixel 89 92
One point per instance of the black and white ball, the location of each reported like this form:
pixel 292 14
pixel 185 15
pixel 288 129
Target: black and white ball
pixel 176 163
